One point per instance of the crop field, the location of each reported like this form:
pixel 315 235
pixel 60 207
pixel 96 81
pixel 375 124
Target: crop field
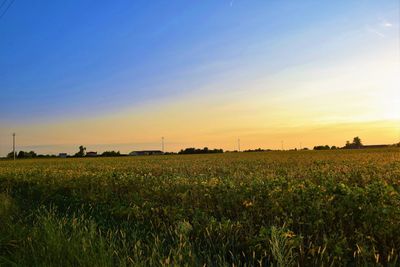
pixel 295 208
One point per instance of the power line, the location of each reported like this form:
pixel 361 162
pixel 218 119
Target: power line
pixel 5 10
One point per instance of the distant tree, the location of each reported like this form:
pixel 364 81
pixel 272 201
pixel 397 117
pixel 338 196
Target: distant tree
pixel 355 144
pixel 10 155
pixel 46 156
pixel 326 147
pixel 81 152
pixel 334 147
pixel 32 154
pixel 206 150
pixel 111 154
pixel 170 153
pixel 190 150
pixel 26 155
pixel 257 150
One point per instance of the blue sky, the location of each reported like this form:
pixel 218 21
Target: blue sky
pixel 68 60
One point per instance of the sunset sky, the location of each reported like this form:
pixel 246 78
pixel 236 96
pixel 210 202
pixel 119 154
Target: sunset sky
pixel 121 74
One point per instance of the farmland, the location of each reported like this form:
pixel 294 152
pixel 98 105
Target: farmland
pixel 307 208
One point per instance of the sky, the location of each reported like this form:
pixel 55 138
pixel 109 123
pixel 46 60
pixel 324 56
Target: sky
pixel 119 75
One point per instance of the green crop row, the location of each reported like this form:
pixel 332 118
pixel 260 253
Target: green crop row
pixel 303 208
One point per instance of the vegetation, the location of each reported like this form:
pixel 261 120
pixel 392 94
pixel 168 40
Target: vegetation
pixel 111 154
pixel 81 152
pixel 257 150
pixel 205 150
pixel 355 144
pixel 303 208
pixel 22 154
pixel 326 147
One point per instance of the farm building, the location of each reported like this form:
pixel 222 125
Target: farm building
pixel 146 153
pixel 91 154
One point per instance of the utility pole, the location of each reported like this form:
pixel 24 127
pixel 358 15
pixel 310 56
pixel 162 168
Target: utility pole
pixel 282 145
pixel 162 144
pixel 13 145
pixel 238 144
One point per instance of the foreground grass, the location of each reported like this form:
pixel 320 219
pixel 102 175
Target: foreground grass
pixel 326 208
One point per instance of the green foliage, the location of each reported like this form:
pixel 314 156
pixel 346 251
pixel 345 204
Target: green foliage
pixel 245 209
pixel 282 247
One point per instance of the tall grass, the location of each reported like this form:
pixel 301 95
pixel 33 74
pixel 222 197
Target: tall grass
pixel 264 209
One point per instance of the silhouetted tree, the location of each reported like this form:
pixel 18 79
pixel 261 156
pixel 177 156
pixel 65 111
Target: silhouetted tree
pixel 355 144
pixel 206 150
pixel 81 152
pixel 256 150
pixel 46 156
pixel 111 154
pixel 326 147
pixel 25 155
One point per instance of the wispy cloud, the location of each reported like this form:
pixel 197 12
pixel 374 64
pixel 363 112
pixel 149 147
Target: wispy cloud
pixel 374 31
pixel 380 29
pixel 386 24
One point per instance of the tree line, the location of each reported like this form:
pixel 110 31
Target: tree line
pixel 81 153
pixel 206 150
pixel 355 144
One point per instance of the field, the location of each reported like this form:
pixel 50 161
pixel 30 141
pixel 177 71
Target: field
pixel 308 208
